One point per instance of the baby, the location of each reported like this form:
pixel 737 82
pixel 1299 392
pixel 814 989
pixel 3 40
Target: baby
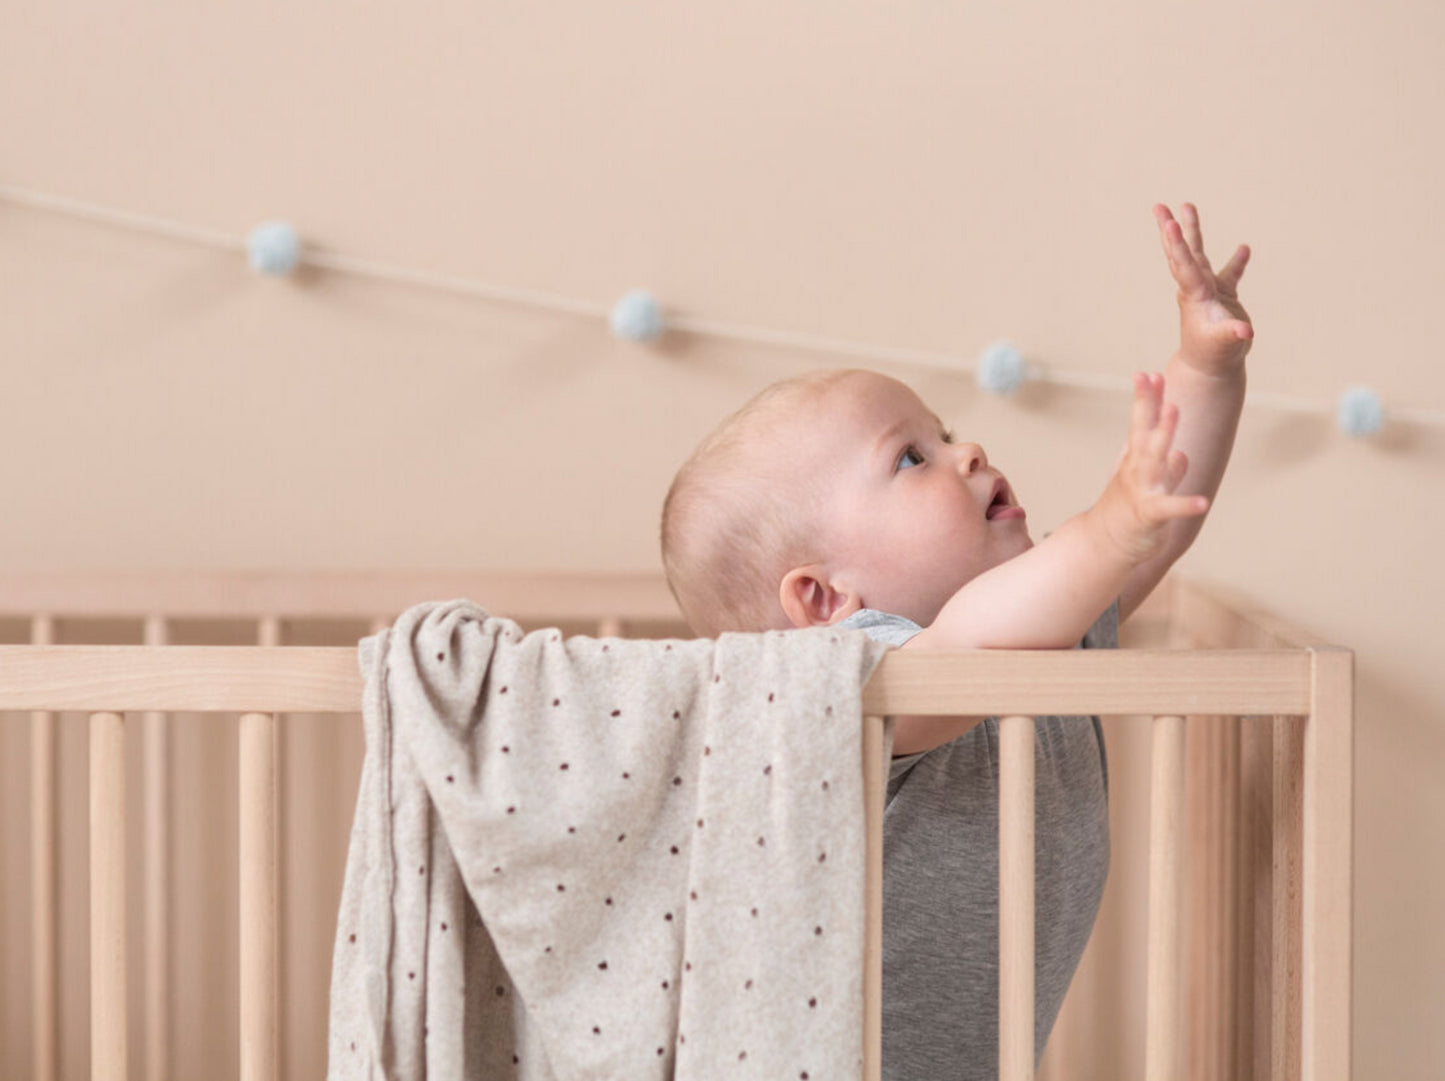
pixel 838 498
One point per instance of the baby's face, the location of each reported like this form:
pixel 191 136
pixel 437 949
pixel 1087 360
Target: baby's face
pixel 908 515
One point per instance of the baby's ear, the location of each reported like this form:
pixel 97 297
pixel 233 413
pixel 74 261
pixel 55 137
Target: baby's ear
pixel 810 599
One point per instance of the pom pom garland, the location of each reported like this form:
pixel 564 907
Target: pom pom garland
pixel 273 247
pixel 637 317
pixel 1001 369
pixel 1359 412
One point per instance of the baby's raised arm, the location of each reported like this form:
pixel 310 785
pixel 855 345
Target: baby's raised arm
pixel 1050 595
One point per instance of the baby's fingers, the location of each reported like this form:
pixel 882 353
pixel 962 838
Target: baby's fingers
pixel 1164 507
pixel 1148 396
pixel 1177 467
pixel 1234 269
pixel 1182 263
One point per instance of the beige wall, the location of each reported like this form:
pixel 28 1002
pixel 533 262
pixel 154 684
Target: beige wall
pixel 927 175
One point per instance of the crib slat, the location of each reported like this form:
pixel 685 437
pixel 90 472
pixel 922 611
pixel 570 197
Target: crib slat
pixel 875 781
pixel 42 872
pixel 107 898
pixel 155 794
pixel 258 897
pixel 1162 1057
pixel 1016 899
pixel 1328 868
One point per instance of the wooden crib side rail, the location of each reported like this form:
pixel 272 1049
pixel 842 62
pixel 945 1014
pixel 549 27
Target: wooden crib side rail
pixel 1316 684
pixel 1207 615
pixel 326 679
pixel 525 597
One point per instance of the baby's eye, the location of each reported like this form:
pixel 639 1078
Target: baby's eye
pixel 909 457
pixel 947 437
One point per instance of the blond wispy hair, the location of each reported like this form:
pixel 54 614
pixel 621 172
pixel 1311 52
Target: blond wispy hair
pixel 737 518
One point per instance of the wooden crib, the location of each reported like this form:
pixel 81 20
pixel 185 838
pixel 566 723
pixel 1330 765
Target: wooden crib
pixel 216 843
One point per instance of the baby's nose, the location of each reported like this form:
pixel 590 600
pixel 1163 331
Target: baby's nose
pixel 971 458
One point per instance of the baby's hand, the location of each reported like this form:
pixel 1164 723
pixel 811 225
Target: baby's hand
pixel 1214 329
pixel 1137 504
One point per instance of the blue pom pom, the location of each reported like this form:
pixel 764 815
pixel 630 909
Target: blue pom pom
pixel 637 316
pixel 1001 369
pixel 273 247
pixel 1359 412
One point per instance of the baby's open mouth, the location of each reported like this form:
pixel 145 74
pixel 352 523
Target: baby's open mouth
pixel 1002 505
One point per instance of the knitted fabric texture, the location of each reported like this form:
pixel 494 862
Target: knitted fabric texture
pixel 603 858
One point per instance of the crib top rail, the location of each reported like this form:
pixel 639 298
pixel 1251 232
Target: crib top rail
pixel 326 679
pixel 523 596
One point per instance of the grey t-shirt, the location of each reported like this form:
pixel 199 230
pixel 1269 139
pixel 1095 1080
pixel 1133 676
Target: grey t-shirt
pixel 940 881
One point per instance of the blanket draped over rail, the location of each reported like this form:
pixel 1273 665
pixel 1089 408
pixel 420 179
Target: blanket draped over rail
pixel 603 858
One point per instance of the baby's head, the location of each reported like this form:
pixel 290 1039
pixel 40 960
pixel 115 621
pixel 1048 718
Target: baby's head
pixel 827 493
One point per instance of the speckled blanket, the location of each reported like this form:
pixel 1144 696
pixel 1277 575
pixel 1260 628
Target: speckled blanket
pixel 603 858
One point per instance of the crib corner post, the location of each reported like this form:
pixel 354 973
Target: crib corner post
pixel 1328 868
